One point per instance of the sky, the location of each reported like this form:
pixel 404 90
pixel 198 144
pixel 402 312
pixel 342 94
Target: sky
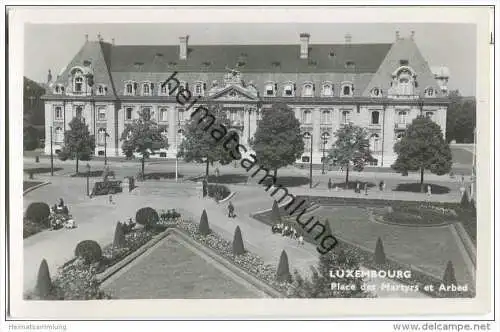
pixel 52 46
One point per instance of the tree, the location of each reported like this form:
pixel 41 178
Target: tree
pixel 78 142
pixel 43 282
pixel 275 214
pixel 203 228
pixel 119 239
pixel 351 148
pixel 319 285
pixel 238 247
pixel 278 140
pixel 30 138
pixel 283 271
pixel 423 148
pixel 449 275
pixel 379 252
pixel 199 144
pixel 460 118
pixel 143 136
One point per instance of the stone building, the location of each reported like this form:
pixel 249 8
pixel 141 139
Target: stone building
pixel 381 87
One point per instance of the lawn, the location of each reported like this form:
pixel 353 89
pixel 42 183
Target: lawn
pixel 29 184
pixel 40 170
pixel 461 156
pixel 174 271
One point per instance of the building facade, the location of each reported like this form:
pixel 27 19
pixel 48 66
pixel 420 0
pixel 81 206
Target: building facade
pixel 381 87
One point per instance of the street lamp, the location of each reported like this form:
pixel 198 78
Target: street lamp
pixel 88 176
pixel 324 136
pixel 51 154
pixel 105 146
pixel 310 136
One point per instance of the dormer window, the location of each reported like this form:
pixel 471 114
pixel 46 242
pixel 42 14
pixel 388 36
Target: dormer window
pixel 146 89
pixel 289 89
pixel 376 92
pixel 101 90
pixel 347 90
pixel 270 89
pixel 162 89
pixel 350 65
pixel 59 89
pixel 327 89
pixel 403 62
pixel 308 90
pixel 78 85
pixel 130 88
pixel 199 88
pixel 429 92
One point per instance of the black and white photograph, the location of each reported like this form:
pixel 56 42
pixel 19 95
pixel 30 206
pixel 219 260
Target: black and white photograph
pixel 190 160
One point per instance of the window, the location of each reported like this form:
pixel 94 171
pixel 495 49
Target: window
pixel 199 89
pixel 146 89
pixel 78 84
pixel 102 113
pixel 146 113
pixel 164 133
pixel 59 89
pixel 402 115
pixel 347 90
pixel 307 141
pixel 163 89
pixel 325 139
pixel 163 114
pixel 346 117
pixel 180 136
pixel 376 92
pixel 306 116
pixel 327 90
pixel 129 89
pixel 403 62
pixel 58 113
pixel 289 90
pixel 429 92
pixel 305 159
pixel 326 117
pixel 375 117
pixel 430 115
pixel 101 136
pixel 308 90
pixel 59 135
pixel 78 111
pixel 350 65
pixel 375 143
pixel 373 162
pixel 101 90
pixel 128 113
pixel 180 115
pixel 400 135
pixel 270 89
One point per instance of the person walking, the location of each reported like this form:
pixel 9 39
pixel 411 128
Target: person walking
pixel 429 190
pixel 301 240
pixel 230 208
pixel 366 188
pixel 358 189
pixel 329 184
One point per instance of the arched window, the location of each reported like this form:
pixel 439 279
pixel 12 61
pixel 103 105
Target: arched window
pixel 101 136
pixel 346 117
pixel 376 92
pixel 270 89
pixel 375 143
pixel 59 135
pixel 180 136
pixel 325 140
pixel 78 86
pixel 163 114
pixel 326 116
pixel 102 113
pixel 375 117
pixel 128 113
pixel 146 91
pixel 146 113
pixel 347 90
pixel 402 117
pixel 307 141
pixel 289 89
pixel 129 89
pixel 308 90
pixel 306 116
pixel 327 89
pixel 58 113
pixel 429 92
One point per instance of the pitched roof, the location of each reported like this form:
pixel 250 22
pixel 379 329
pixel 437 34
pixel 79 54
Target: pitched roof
pixel 256 58
pixel 98 53
pixel 403 49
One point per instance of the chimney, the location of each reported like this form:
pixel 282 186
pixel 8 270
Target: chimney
pixel 397 34
pixel 304 45
pixel 348 38
pixel 412 35
pixel 49 77
pixel 183 47
pixel 113 41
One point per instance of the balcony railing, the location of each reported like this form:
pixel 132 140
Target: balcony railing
pixel 399 125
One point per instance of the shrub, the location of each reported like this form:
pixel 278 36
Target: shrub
pixel 218 192
pixel 147 216
pixel 119 239
pixel 464 202
pixel 88 250
pixel 283 271
pixel 38 212
pixel 379 252
pixel 449 275
pixel 43 282
pixel 238 248
pixel 204 229
pixel 275 214
pixel 63 155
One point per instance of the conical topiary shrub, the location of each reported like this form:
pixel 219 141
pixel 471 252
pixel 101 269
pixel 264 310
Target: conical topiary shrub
pixel 119 240
pixel 204 229
pixel 283 272
pixel 238 248
pixel 43 282
pixel 275 214
pixel 449 275
pixel 379 252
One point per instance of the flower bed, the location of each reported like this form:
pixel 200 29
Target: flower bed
pixel 91 174
pixel 249 262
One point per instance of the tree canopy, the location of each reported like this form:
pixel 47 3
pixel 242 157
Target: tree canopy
pixel 423 148
pixel 278 141
pixel 199 144
pixel 144 137
pixel 351 148
pixel 460 118
pixel 78 142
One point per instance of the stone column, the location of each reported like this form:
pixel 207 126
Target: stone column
pixel 49 113
pixel 246 122
pixel 316 122
pixel 253 123
pixel 172 129
pixel 388 132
